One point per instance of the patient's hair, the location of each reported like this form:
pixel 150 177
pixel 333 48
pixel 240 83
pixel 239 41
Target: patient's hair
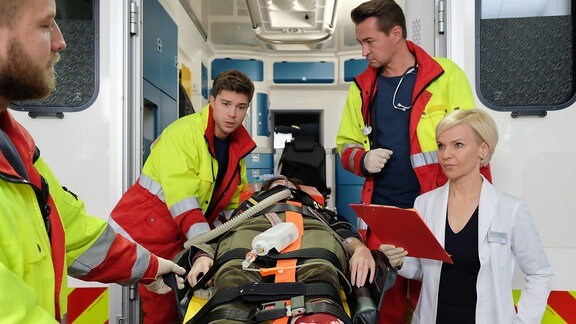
pixel 296 182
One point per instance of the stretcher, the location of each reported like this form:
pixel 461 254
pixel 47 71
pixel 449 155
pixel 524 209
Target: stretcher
pixel 360 303
pixel 196 303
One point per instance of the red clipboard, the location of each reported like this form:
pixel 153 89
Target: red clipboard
pixel 403 228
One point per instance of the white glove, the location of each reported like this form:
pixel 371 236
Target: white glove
pixel 375 159
pixel 165 267
pixel 394 254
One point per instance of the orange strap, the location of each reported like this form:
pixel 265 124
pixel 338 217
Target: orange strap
pixel 289 274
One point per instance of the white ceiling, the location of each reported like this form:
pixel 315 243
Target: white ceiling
pixel 228 24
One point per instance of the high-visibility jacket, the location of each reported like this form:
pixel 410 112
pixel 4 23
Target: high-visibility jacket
pixel 34 264
pixel 440 87
pixel 176 196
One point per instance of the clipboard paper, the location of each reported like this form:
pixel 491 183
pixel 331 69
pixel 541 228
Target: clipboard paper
pixel 403 228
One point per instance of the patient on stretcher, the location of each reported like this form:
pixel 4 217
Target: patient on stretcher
pixel 301 283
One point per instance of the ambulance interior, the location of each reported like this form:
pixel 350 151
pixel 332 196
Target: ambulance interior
pixel 276 42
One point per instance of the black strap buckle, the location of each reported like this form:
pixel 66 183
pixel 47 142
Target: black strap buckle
pixel 296 307
pixel 270 311
pixel 274 310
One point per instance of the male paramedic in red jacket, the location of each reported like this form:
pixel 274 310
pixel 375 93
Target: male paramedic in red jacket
pixel 388 124
pixel 46 234
pixel 190 182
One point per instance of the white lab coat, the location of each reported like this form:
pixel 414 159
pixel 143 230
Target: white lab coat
pixel 506 234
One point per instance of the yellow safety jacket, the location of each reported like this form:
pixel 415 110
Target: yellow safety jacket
pixel 46 235
pixel 177 196
pixel 440 87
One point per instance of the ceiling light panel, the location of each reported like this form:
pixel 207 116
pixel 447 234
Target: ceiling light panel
pixel 292 21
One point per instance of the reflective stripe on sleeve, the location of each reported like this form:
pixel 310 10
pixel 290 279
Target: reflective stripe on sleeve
pixel 94 256
pixel 184 205
pixel 116 227
pixel 424 158
pixel 142 263
pixel 197 229
pixel 152 186
pixel 351 159
pixel 356 149
pixel 179 208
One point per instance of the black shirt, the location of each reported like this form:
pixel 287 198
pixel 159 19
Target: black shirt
pixel 457 293
pixel 222 148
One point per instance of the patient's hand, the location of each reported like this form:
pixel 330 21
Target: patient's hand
pixel 362 264
pixel 199 268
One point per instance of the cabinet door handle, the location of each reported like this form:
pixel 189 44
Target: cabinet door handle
pixel 159 45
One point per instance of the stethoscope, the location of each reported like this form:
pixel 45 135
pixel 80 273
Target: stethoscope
pixel 369 113
pixel 367 130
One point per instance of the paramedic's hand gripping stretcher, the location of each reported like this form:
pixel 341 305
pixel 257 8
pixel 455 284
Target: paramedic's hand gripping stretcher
pixel 266 237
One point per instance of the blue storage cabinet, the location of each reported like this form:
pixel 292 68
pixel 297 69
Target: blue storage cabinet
pixel 160 48
pixel 353 67
pixel 304 72
pixel 348 191
pixel 258 163
pixel 155 117
pixel 146 146
pixel 262 118
pixel 254 69
pixel 160 70
pixel 152 42
pixel 204 81
pixel 153 99
pixel 150 117
pixel 169 60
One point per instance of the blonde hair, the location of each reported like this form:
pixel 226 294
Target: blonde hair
pixel 483 125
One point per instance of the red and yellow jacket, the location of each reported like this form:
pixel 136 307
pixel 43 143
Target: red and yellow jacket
pixel 440 87
pixel 176 196
pixel 34 264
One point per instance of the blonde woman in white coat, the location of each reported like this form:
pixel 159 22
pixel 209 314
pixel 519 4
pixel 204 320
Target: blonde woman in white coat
pixel 485 230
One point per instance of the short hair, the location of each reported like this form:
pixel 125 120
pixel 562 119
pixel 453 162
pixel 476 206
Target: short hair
pixel 388 12
pixel 9 11
pixel 268 184
pixel 233 80
pixel 480 121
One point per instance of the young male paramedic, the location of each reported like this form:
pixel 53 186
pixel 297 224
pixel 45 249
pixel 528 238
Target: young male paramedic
pixel 190 182
pixel 45 232
pixel 387 128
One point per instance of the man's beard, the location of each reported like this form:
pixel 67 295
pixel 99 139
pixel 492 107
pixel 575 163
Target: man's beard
pixel 23 79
